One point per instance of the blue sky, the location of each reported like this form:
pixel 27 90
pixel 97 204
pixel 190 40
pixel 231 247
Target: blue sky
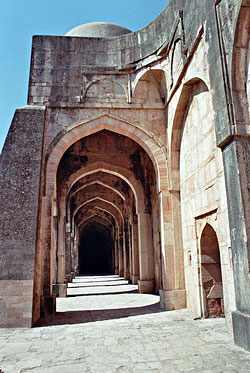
pixel 20 19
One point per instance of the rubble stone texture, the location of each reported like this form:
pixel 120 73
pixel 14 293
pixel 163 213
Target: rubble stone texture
pixel 132 157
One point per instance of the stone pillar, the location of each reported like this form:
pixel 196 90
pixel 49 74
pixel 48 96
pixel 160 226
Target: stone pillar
pixel 121 263
pixel 54 242
pixel 145 240
pixel 126 252
pixel 135 251
pixel 77 253
pixel 72 254
pixel 116 256
pixel 236 158
pixel 68 254
pixel 60 288
pixel 75 263
pixel 173 293
pixel 130 253
pixel 47 303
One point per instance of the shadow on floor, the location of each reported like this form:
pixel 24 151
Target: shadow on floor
pixel 81 317
pixel 85 315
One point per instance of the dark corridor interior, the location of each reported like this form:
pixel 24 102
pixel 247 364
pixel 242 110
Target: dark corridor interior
pixel 95 252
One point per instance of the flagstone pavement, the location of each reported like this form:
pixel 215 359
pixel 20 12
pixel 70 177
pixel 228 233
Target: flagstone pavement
pixel 105 326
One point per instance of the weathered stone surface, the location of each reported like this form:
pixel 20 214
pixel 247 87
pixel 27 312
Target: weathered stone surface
pixel 20 172
pixel 145 141
pixel 134 336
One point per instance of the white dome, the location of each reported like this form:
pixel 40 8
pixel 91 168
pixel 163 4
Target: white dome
pixel 98 30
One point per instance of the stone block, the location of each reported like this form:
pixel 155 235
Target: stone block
pixel 48 306
pixel 146 286
pixel 241 329
pixel 135 280
pixel 172 299
pixel 60 290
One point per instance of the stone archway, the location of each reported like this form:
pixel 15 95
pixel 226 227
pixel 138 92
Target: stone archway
pixel 196 175
pixel 154 149
pixel 172 293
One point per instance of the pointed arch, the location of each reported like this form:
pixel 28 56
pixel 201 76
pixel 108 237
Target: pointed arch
pixel 177 129
pixel 95 217
pixel 112 169
pixel 241 70
pixel 154 149
pixel 97 81
pixel 99 183
pixel 210 274
pixel 98 199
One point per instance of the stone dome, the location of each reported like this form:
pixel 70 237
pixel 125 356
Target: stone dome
pixel 98 30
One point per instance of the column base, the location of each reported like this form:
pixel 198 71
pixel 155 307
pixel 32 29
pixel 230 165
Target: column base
pixel 73 275
pixel 59 290
pixel 121 273
pixel 172 299
pixel 146 286
pixel 127 276
pixel 116 271
pixel 135 280
pixel 241 329
pixel 68 278
pixel 48 306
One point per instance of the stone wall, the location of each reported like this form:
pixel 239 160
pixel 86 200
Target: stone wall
pixel 174 87
pixel 202 189
pixel 20 184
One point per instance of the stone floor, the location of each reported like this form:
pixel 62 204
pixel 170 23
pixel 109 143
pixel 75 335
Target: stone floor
pixel 105 326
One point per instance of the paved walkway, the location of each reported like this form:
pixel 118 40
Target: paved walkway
pixel 105 326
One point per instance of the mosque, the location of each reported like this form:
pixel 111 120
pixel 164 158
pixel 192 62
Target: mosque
pixel 132 157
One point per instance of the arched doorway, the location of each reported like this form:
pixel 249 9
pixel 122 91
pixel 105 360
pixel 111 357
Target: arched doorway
pixel 95 251
pixel 111 174
pixel 68 164
pixel 210 274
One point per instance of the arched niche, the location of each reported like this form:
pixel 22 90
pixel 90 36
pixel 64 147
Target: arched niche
pixel 210 274
pixel 178 127
pixel 149 86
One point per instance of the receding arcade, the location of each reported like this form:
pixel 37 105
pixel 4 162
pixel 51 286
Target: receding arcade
pixel 98 225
